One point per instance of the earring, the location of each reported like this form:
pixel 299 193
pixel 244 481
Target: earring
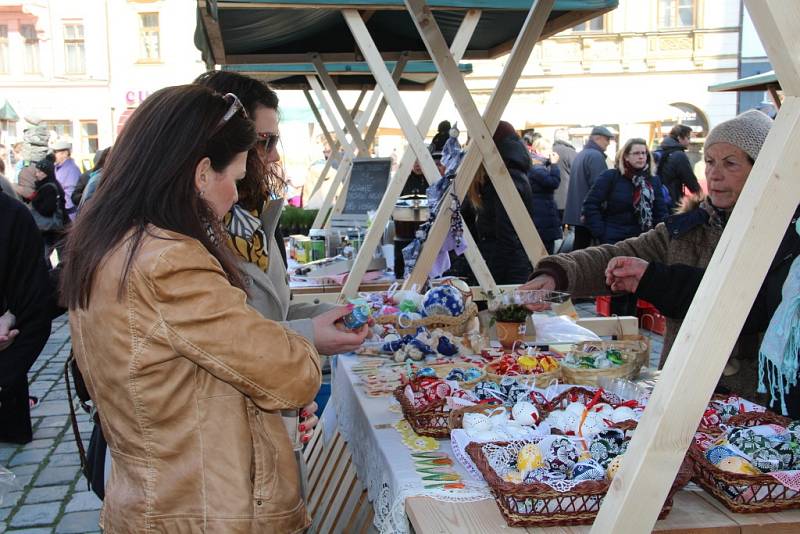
pixel 201 193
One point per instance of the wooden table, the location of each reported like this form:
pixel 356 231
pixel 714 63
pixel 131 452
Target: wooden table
pixel 694 511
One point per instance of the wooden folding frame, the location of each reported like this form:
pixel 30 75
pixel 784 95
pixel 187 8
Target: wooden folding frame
pixel 481 129
pixel 724 298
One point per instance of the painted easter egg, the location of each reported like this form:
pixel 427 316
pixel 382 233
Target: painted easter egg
pixel 592 424
pixel 737 464
pixel 588 470
pixel 525 413
pixel 473 373
pixel 486 390
pixel 716 454
pixel 561 455
pixel 476 422
pixel 603 450
pixel 613 466
pixel 623 413
pixel 604 409
pixel 576 408
pixel 746 440
pixel 456 374
pixel 443 300
pixel 766 459
pixel 789 454
pixel 529 458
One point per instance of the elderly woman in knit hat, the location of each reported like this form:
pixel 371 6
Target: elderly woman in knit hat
pixel 664 266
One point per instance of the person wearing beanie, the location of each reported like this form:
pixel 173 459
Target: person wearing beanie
pixel 665 265
pixel 487 218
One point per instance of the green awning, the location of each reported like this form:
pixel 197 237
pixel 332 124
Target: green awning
pixel 7 113
pixel 757 82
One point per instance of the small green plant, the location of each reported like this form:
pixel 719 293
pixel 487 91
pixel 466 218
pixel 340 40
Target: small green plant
pixel 510 313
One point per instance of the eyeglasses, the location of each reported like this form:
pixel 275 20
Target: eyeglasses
pixel 268 140
pixel 236 105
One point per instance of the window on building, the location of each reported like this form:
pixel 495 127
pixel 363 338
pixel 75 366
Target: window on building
pixel 59 129
pixel 28 32
pixel 74 48
pixel 4 49
pixel 676 13
pixel 149 37
pixel 89 143
pixel 597 24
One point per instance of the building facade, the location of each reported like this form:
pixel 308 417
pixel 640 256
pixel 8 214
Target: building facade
pixel 81 66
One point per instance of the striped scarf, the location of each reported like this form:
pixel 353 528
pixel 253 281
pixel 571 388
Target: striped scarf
pixel 247 237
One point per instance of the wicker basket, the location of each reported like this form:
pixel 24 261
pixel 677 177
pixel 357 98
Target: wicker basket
pixel 443 369
pixel 539 505
pixel 540 380
pixel 744 494
pixel 637 346
pixel 456 418
pixel 455 325
pixel 628 370
pixel 431 421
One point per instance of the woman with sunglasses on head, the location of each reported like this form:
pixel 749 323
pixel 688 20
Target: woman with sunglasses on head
pixel 188 379
pixel 252 224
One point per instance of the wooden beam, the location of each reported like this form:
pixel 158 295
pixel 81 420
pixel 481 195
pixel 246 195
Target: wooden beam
pixel 384 212
pixel 341 195
pixel 330 86
pixel 773 93
pixel 777 22
pixel 707 335
pixel 481 129
pixel 328 138
pixel 373 127
pixel 213 32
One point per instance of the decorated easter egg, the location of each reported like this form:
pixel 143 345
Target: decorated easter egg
pixel 556 419
pixel 530 457
pixel 443 300
pixel 407 295
pixel 473 373
pixel 561 455
pixel 592 424
pixel 446 347
pixel 513 476
pixel 603 450
pixel 518 392
pixel 623 413
pixel 794 426
pixel 604 409
pixel 614 435
pixel 613 466
pixel 571 422
pixel 499 418
pixel 426 371
pixel 746 440
pixel 576 408
pixel 476 422
pixel 486 390
pixel 737 464
pixel 462 287
pixel 716 454
pixel 588 470
pixel 525 413
pixel 434 389
pixel 766 459
pixel 456 374
pixel 789 454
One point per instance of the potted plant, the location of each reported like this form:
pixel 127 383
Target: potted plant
pixel 509 321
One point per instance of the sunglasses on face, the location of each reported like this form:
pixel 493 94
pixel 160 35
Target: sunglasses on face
pixel 268 141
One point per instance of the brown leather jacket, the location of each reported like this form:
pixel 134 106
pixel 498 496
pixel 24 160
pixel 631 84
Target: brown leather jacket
pixel 187 378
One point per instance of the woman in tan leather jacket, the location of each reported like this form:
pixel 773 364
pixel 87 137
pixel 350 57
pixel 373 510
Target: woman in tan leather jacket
pixel 188 379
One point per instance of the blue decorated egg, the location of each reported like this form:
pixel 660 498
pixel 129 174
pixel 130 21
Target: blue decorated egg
pixel 427 371
pixel 473 373
pixel 588 470
pixel 561 455
pixel 489 391
pixel 443 300
pixel 716 454
pixel 446 347
pixel 456 374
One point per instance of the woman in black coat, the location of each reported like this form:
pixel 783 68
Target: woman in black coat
pixel 486 217
pixel 545 177
pixel 26 297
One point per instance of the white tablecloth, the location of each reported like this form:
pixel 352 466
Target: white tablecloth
pixel 382 462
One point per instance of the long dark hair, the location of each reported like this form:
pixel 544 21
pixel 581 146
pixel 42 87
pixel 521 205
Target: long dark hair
pixel 149 178
pixel 260 180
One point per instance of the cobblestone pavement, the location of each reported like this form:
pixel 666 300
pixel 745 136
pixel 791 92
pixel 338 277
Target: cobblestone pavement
pixel 50 494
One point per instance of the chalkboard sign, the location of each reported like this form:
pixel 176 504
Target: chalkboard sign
pixel 369 179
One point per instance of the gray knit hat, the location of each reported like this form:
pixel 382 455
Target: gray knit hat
pixel 746 131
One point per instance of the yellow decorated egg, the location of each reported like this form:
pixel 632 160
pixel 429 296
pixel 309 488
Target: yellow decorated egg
pixel 737 464
pixel 529 458
pixel 515 477
pixel 613 466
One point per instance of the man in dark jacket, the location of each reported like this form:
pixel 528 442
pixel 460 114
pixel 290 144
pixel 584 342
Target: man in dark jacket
pixel 586 167
pixel 673 165
pixel 26 297
pixel 566 156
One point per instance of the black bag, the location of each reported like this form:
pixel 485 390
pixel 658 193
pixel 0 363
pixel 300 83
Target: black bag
pixel 47 206
pixel 92 459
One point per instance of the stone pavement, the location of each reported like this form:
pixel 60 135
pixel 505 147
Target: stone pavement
pixel 49 493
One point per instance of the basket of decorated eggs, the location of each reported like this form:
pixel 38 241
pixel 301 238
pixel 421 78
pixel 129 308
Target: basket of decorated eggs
pixel 555 480
pixel 587 362
pixel 751 464
pixel 447 307
pixel 424 402
pixel 539 368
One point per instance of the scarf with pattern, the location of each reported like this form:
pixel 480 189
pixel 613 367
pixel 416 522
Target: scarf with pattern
pixel 643 198
pixel 246 236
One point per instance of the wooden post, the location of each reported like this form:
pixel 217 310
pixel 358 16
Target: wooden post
pixel 333 145
pixel 722 301
pixel 529 35
pixel 415 140
pixel 330 86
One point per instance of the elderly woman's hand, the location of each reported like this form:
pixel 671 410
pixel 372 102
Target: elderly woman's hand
pixel 308 420
pixel 543 281
pixel 624 273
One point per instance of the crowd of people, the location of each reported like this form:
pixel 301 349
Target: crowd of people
pixel 171 243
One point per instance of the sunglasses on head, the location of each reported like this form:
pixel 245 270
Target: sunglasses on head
pixel 235 106
pixel 268 141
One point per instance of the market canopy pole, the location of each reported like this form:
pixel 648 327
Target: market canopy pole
pixel 384 212
pixel 480 130
pixel 330 86
pixel 414 137
pixel 723 300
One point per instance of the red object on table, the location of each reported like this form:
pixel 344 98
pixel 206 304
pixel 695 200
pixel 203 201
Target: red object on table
pixel 650 318
pixel 602 306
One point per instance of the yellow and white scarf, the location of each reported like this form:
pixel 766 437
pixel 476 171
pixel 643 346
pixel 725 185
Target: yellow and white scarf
pixel 246 236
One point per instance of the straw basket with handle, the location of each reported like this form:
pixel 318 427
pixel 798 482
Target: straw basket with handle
pixel 443 369
pixel 628 370
pixel 456 325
